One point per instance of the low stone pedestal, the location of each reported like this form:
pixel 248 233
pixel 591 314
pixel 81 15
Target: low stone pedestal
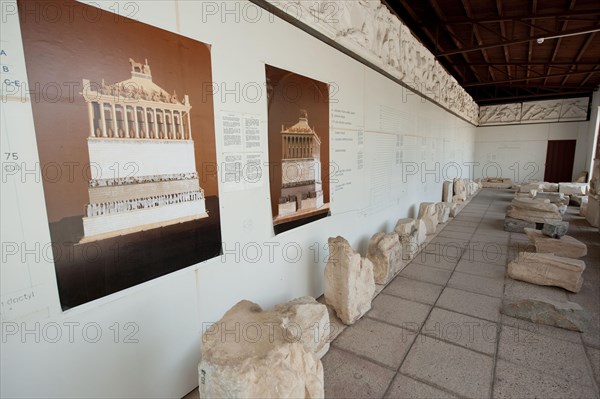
pixel 565 246
pixel 583 207
pixel 547 269
pixel 349 281
pixel 385 252
pixel 252 353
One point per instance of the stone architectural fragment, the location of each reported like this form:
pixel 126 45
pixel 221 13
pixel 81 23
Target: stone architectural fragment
pixel 517 225
pixel 583 207
pixel 555 229
pixel 554 198
pixel 592 212
pixel 412 233
pixel 460 191
pixel 269 361
pixel 550 187
pixel 547 269
pixel 499 182
pixel 447 191
pixel 349 281
pixel 428 213
pixel 443 211
pixel 538 211
pixel 567 315
pixel 566 246
pixel 404 226
pixel 385 252
pixel 573 188
pixel 420 231
pixel 453 210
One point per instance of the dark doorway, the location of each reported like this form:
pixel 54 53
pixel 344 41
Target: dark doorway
pixel 559 161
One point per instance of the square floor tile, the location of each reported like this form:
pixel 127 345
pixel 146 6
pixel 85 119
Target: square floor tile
pixel 349 376
pixel 401 312
pixel 490 270
pixel 492 254
pixel 469 332
pixel 405 387
pixel 513 381
pixel 445 257
pixel 594 357
pixel 381 342
pixel 549 355
pixel 425 273
pixel 456 234
pixel 549 331
pixel 478 284
pixel 414 290
pixel 515 289
pixel 481 306
pixel 456 369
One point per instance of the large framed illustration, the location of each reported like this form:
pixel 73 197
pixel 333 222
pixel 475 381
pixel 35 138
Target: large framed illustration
pixel 298 109
pixel 136 193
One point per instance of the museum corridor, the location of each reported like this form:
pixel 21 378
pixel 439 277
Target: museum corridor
pixel 436 330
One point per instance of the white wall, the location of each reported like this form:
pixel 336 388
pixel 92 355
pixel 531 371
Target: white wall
pixel 519 151
pixel 167 314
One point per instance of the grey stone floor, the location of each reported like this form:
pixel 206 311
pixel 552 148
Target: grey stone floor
pixel 435 331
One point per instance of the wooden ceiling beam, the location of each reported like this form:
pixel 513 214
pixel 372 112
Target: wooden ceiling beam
pixel 560 75
pixel 531 16
pixel 406 6
pixel 518 41
pixel 457 42
pixel 584 81
pixel 558 42
pixel 467 6
pixel 530 48
pixel 580 54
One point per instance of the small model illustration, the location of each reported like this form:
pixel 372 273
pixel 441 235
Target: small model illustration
pixel 301 188
pixel 142 158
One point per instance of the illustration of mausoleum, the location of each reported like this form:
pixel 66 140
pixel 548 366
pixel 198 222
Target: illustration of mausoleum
pixel 301 188
pixel 142 158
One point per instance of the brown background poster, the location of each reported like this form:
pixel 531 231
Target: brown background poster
pixel 289 93
pixel 81 42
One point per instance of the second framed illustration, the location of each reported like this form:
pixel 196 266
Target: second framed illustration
pixel 298 109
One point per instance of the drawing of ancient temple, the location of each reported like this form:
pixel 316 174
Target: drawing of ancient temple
pixel 142 158
pixel 301 188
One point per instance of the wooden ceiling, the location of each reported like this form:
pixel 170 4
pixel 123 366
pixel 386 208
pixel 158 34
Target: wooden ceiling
pixel 492 46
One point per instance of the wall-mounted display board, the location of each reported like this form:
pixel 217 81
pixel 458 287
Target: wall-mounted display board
pixel 298 109
pixel 128 147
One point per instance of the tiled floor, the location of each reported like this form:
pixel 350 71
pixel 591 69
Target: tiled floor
pixel 435 331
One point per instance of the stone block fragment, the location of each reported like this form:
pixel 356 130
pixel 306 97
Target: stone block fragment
pixel 566 246
pixel 547 269
pixel 385 252
pixel 349 281
pixel 555 229
pixel 270 360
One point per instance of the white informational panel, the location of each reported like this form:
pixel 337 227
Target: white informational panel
pixel 385 142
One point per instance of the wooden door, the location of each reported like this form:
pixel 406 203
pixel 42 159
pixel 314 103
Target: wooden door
pixel 559 161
